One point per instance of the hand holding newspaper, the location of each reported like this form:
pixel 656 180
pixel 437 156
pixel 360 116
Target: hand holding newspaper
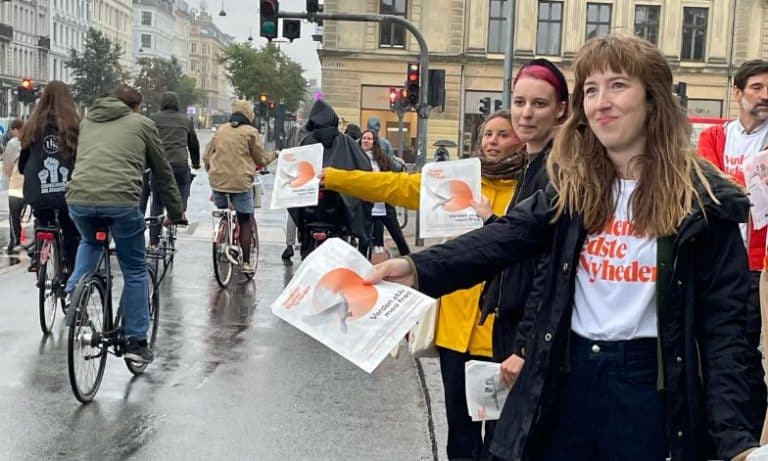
pixel 296 182
pixel 485 392
pixel 447 192
pixel 328 300
pixel 756 178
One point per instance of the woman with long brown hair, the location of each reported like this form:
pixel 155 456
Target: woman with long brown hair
pixel 48 148
pixel 637 350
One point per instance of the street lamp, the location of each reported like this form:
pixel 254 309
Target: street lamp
pixel 222 12
pixel 250 35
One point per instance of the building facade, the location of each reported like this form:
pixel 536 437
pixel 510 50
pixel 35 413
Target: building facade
pixel 206 41
pixel 183 16
pixel 113 18
pixel 24 49
pixel 153 29
pixel 703 40
pixel 69 23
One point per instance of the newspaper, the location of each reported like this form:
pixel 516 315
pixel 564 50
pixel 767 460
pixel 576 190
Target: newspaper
pixel 756 178
pixel 328 300
pixel 296 182
pixel 485 393
pixel 446 195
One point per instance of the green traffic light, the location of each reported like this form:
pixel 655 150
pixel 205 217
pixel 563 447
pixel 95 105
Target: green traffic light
pixel 269 28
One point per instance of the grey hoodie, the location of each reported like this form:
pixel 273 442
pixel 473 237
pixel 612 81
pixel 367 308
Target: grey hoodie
pixel 375 125
pixel 177 132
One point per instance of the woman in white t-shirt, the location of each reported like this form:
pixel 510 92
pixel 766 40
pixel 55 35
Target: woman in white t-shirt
pixel 383 214
pixel 638 345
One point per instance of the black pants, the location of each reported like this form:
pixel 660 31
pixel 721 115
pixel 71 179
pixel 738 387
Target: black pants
pixel 71 235
pixel 465 437
pixel 608 408
pixel 757 390
pixel 15 210
pixel 183 176
pixel 393 227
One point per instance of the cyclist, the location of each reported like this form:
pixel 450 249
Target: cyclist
pixel 178 134
pixel 116 145
pixel 48 147
pixel 231 159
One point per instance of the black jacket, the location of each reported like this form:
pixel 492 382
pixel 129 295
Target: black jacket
pixel 505 295
pixel 177 132
pixel 701 323
pixel 46 171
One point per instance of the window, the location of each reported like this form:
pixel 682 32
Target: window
pixel 146 41
pixel 647 22
pixel 193 49
pixel 598 20
pixel 391 35
pixel 497 24
pixel 550 23
pixel 694 33
pixel 146 18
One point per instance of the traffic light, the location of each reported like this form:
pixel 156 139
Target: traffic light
pixel 313 6
pixel 268 19
pixel 412 83
pixel 26 91
pixel 496 105
pixel 272 105
pixel 394 93
pixel 291 29
pixel 263 97
pixel 485 106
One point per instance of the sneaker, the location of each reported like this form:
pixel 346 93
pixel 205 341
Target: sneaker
pixel 138 351
pixel 248 268
pixel 288 252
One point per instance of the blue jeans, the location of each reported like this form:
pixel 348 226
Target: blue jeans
pixel 126 226
pixel 241 201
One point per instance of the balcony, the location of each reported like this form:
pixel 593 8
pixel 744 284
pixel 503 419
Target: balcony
pixel 6 33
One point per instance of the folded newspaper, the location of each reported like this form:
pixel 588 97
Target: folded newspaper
pixel 296 182
pixel 446 195
pixel 328 300
pixel 756 178
pixel 485 392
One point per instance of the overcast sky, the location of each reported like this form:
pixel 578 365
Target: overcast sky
pixel 243 17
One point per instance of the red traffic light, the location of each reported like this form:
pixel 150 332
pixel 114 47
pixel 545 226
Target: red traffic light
pixel 393 95
pixel 272 105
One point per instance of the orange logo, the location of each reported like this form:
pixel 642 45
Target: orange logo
pixel 452 195
pixel 299 174
pixel 343 293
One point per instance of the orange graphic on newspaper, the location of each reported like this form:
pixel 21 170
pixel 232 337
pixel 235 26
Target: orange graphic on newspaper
pixel 297 174
pixel 451 195
pixel 342 294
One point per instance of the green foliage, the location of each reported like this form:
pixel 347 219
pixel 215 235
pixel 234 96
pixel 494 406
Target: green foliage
pixel 267 70
pixel 97 69
pixel 156 76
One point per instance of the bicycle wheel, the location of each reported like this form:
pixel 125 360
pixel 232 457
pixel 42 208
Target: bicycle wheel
pixel 154 319
pixel 86 355
pixel 47 283
pixel 402 216
pixel 222 267
pixel 254 249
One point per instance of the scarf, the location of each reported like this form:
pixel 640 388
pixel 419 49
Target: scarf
pixel 509 167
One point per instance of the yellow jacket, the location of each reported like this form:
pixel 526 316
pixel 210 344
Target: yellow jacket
pixel 457 327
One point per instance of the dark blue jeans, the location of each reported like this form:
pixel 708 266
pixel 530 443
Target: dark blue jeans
pixel 126 226
pixel 608 408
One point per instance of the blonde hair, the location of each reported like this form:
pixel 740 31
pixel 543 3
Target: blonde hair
pixel 580 169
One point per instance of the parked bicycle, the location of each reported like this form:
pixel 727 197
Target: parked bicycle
pixel 227 253
pixel 95 330
pixel 51 276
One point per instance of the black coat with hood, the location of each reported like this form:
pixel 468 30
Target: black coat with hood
pixel 177 132
pixel 46 170
pixel 339 151
pixel 701 320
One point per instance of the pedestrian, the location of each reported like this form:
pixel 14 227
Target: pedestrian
pixel 539 107
pixel 15 185
pixel 459 337
pixel 638 348
pixel 116 146
pixel 181 149
pixel 374 124
pixel 729 146
pixel 231 159
pixel 353 131
pixel 383 214
pixel 47 160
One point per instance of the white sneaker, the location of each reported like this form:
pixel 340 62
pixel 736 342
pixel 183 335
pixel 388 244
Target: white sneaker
pixel 247 268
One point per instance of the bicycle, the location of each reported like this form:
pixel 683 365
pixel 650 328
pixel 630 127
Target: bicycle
pixel 226 250
pixel 95 332
pixel 50 278
pixel 165 250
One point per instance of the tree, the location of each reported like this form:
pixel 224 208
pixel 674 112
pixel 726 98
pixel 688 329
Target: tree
pixel 267 70
pixel 156 76
pixel 97 69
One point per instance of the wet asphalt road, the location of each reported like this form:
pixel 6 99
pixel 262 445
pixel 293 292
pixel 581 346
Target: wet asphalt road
pixel 230 380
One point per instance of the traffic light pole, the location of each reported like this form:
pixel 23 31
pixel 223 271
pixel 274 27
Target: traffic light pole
pixel 423 108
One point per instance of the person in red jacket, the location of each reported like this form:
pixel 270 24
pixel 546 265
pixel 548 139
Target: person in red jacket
pixel 728 146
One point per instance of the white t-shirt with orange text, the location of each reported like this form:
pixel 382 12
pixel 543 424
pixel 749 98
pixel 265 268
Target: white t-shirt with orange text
pixel 615 296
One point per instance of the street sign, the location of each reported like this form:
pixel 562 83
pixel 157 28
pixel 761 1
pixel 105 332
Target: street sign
pixel 191 110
